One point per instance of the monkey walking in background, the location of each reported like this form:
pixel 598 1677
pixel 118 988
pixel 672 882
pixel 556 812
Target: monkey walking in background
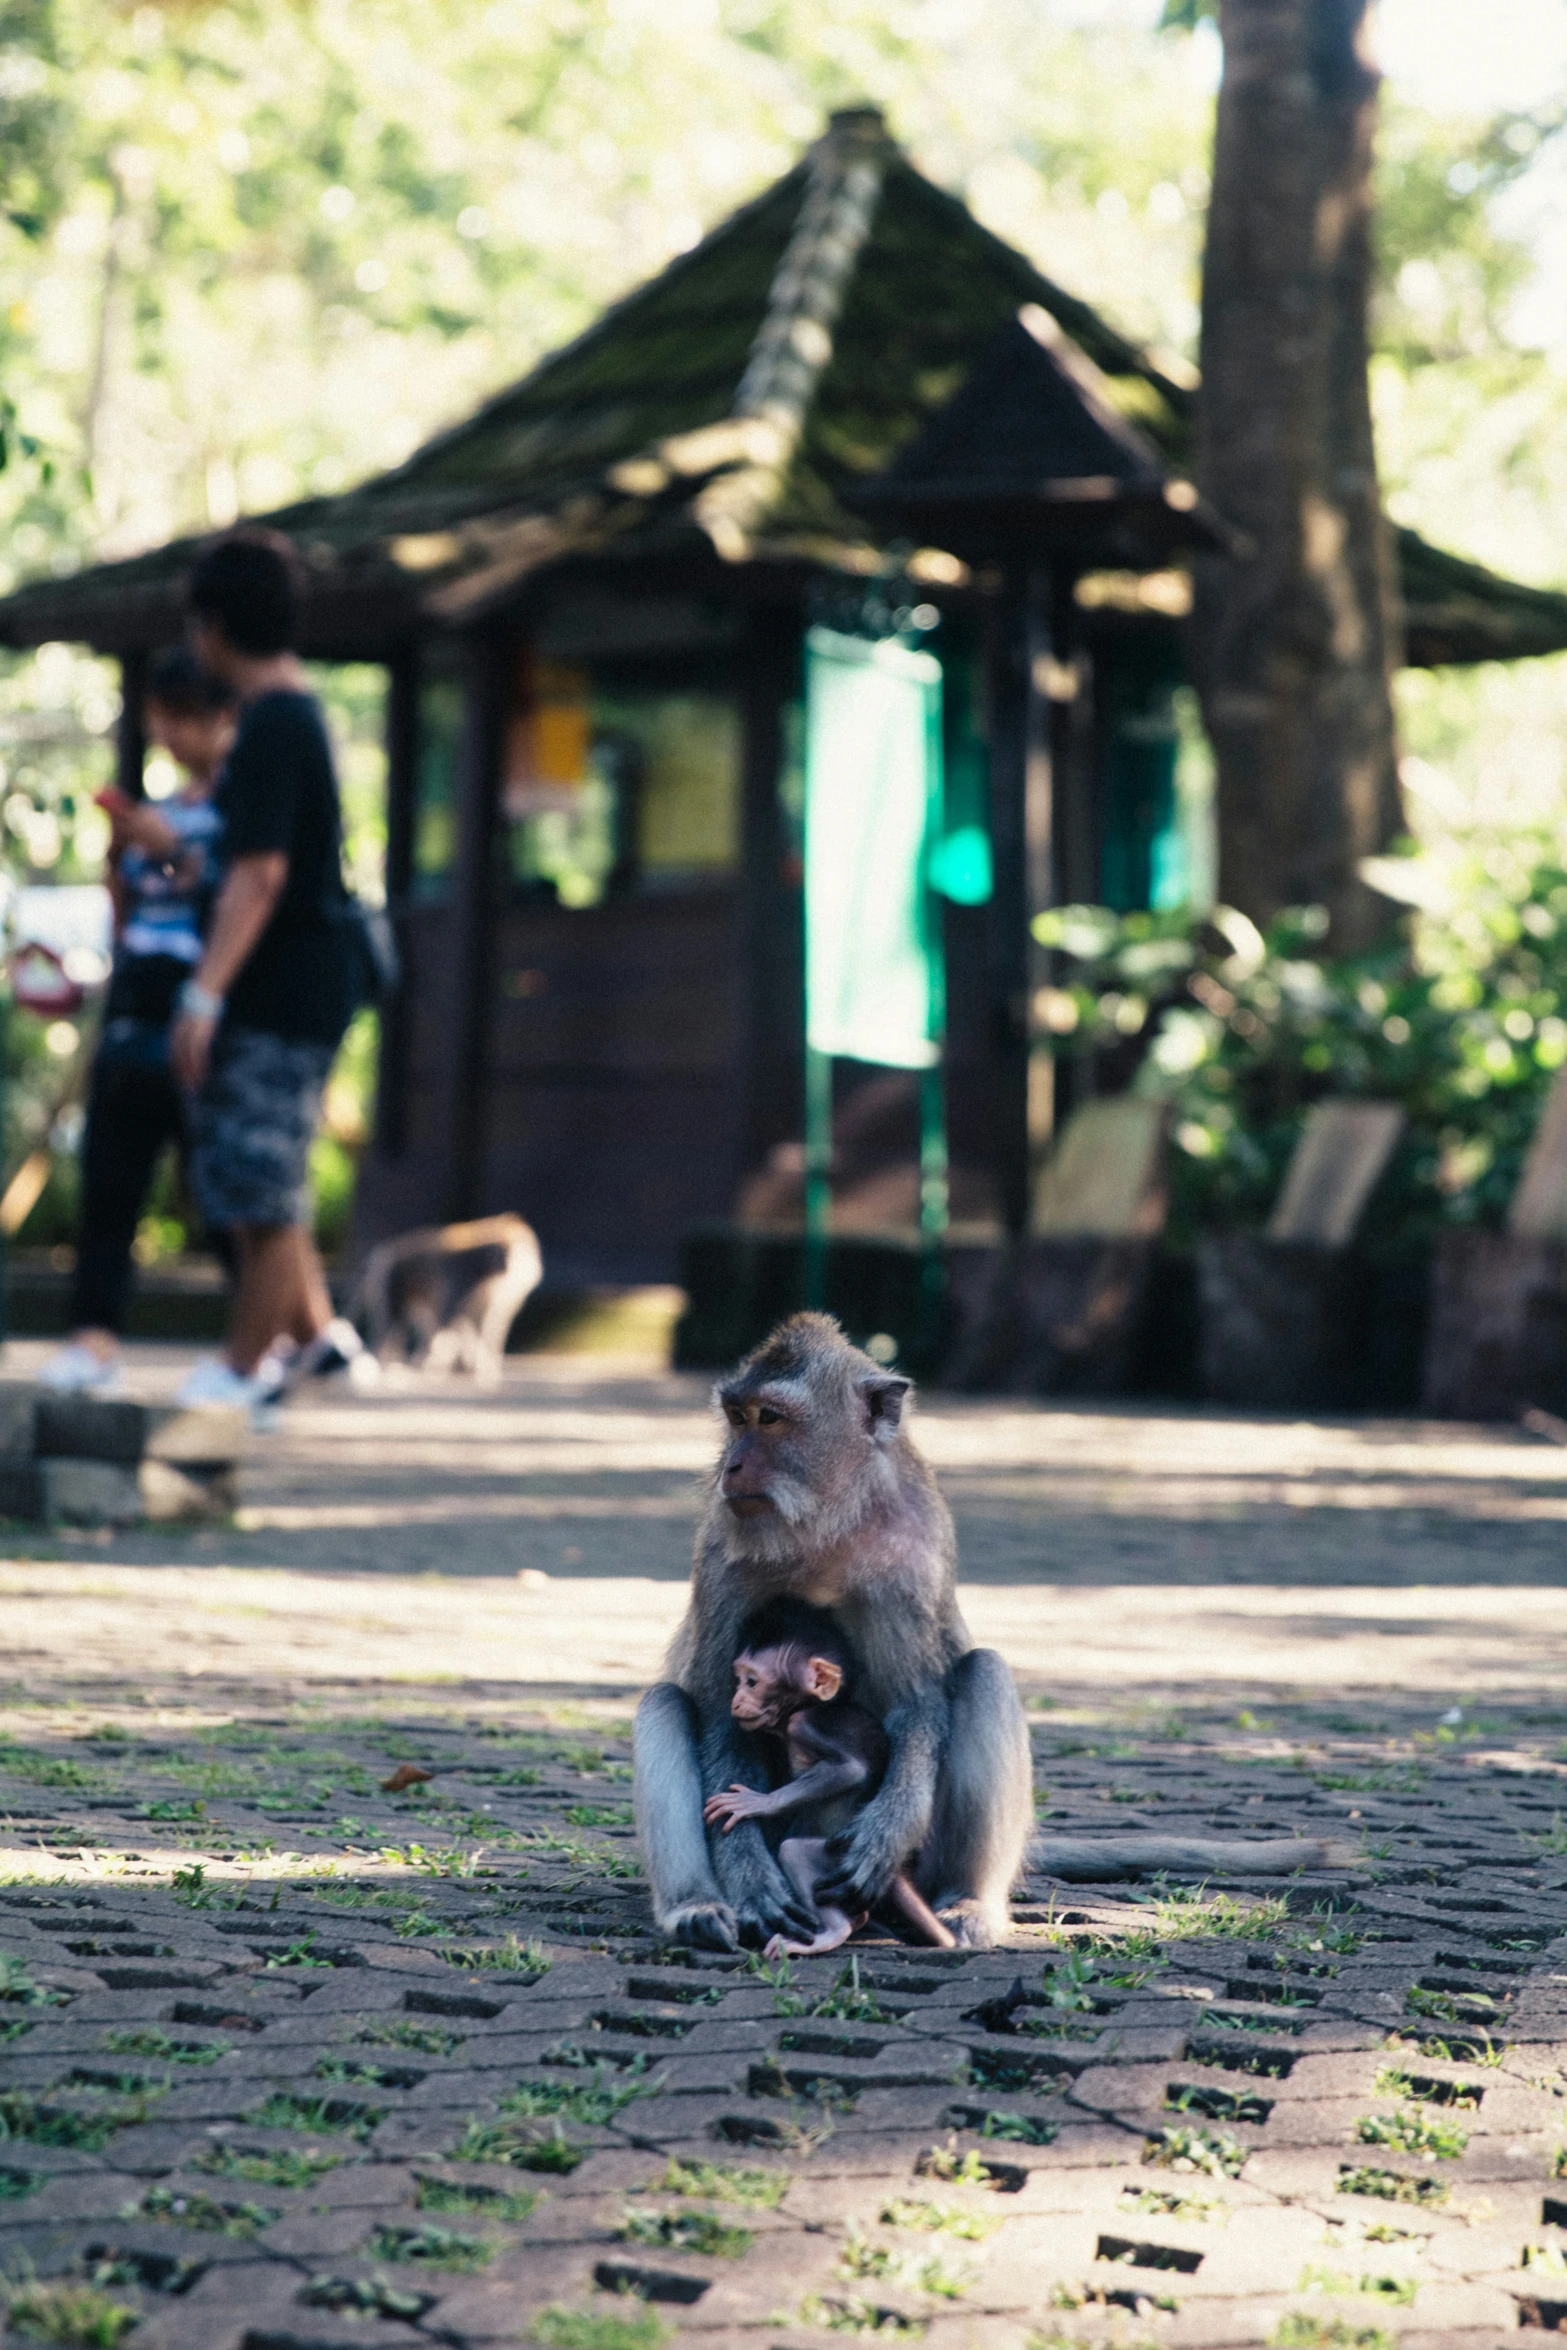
pixel 819 1495
pixel 792 1685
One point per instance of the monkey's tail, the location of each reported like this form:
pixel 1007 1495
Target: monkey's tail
pixel 1092 1860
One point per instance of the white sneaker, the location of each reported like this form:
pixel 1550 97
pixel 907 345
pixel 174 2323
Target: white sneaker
pixel 214 1381
pixel 76 1370
pixel 338 1348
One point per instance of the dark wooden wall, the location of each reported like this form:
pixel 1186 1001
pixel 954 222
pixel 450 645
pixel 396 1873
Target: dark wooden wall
pixel 609 1113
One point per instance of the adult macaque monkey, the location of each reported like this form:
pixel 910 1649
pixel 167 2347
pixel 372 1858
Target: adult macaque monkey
pixel 820 1495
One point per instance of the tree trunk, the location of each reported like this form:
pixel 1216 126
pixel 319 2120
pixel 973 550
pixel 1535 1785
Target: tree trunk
pixel 1296 633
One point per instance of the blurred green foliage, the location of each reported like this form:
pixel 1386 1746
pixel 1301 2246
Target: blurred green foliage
pixel 251 254
pixel 1460 1017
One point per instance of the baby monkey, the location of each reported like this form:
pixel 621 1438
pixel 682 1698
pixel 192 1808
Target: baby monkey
pixel 791 1681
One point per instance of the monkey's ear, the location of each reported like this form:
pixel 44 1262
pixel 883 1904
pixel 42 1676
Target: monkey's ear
pixel 884 1396
pixel 823 1678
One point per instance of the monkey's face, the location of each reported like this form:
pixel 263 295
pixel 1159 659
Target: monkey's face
pixel 809 1451
pixel 755 1476
pixel 765 1696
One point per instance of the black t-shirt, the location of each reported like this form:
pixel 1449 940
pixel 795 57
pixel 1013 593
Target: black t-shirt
pixel 278 794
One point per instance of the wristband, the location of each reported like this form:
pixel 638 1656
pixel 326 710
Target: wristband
pixel 197 1004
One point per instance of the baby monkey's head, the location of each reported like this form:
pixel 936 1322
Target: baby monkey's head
pixel 791 1655
pixel 771 1684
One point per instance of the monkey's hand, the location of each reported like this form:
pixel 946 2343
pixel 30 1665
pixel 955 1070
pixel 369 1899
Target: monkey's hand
pixel 734 1804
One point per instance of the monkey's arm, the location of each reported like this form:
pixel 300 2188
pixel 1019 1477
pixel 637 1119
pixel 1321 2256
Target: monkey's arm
pixel 840 1776
pixel 865 1858
pixel 755 1887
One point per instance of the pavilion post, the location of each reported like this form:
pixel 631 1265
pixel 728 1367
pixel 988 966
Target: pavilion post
pixel 130 730
pixel 402 758
pixel 1023 845
pixel 471 938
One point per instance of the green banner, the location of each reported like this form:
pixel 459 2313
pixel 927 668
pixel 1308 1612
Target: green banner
pixel 872 805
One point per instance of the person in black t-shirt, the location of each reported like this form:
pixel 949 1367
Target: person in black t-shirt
pixel 263 1016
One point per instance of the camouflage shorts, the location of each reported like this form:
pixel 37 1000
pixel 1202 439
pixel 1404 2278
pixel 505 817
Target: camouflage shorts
pixel 255 1121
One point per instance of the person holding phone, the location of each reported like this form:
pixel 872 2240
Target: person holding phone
pixel 162 873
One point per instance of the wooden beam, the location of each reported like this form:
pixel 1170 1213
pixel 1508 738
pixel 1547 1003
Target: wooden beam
pixel 476 881
pixel 1023 845
pixel 402 777
pixel 130 729
pixel 772 902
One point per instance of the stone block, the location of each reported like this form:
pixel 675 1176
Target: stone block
pixel 87 1428
pixel 17 1400
pixel 21 1488
pixel 1498 1341
pixel 74 1491
pixel 197 1436
pixel 172 1494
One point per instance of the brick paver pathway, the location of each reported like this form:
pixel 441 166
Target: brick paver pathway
pixel 292 2058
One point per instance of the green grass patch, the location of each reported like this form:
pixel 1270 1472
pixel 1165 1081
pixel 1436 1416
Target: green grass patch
pixel 633 2327
pixel 363 2297
pixel 358 2072
pixel 1019 2129
pixel 177 2207
pixel 1395 2292
pixel 525 2149
pixel 76 2317
pixel 958 2170
pixel 1459 2096
pixel 1164 2203
pixel 862 2319
pixel 477 2202
pixel 702 2232
pixel 718 2182
pixel 1389 2186
pixel 1185 2148
pixel 49 1770
pixel 264 2166
pixel 422 2039
pixel 863 2261
pixel 148 2040
pixel 286 2110
pixel 948 2219
pixel 1451 2007
pixel 1216 2020
pixel 593 2101
pixel 442 2248
pixel 1413 2130
pixel 512 1957
pixel 1195 1915
pixel 17 1988
pixel 44 2124
pixel 1221 2105
pixel 1300 2332
pixel 848 2001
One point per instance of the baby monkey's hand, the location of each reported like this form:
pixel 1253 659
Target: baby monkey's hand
pixel 734 1804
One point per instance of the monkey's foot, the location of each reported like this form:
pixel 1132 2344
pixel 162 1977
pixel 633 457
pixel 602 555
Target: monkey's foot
pixel 702 1925
pixel 831 1937
pixel 973 1924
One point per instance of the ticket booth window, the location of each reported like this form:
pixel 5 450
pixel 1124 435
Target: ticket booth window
pixel 612 791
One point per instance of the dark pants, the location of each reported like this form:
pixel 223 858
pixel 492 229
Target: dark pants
pixel 134 1108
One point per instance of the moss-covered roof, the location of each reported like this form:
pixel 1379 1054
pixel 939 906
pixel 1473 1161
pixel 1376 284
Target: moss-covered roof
pixel 739 402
